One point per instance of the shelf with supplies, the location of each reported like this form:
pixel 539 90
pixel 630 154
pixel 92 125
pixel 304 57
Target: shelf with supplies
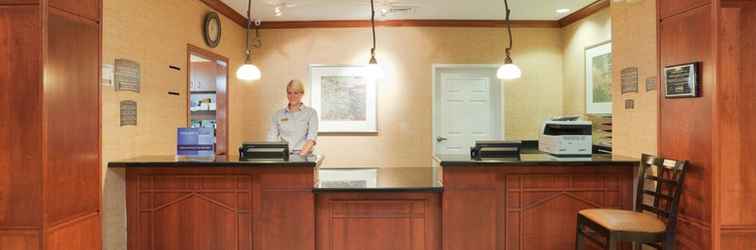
pixel 209 92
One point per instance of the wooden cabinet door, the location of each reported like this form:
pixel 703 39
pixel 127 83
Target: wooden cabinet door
pixel 378 221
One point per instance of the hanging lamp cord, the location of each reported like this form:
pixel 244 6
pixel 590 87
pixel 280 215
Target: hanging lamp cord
pixel 249 24
pixel 372 24
pixel 508 60
pixel 258 42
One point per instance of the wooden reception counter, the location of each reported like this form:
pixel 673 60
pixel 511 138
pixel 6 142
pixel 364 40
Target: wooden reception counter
pixel 527 203
pixel 460 204
pixel 221 204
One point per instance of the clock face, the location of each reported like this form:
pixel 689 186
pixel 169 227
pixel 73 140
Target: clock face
pixel 212 29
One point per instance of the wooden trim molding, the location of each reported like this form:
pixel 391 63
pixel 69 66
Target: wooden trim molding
pixel 230 13
pixel 584 12
pixel 729 229
pixel 409 23
pixel 227 11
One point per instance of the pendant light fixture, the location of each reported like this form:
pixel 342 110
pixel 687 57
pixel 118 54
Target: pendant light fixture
pixel 374 70
pixel 509 70
pixel 248 71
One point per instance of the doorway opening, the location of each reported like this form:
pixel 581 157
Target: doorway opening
pixel 467 106
pixel 207 98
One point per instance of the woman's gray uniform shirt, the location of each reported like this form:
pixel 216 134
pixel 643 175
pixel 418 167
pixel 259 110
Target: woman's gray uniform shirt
pixel 296 128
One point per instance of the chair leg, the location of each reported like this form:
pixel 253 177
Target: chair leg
pixel 669 245
pixel 579 238
pixel 611 243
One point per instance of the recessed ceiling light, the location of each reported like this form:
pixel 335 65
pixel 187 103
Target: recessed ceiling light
pixel 562 11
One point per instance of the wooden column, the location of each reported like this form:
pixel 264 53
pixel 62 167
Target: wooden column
pixel 714 131
pixel 50 129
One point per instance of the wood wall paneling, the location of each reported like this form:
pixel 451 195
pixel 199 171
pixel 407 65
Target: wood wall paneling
pixel 685 129
pixel 736 120
pixel 89 9
pixel 20 119
pixel 19 239
pixel 374 221
pixel 668 8
pixel 82 233
pixel 738 238
pixel 72 179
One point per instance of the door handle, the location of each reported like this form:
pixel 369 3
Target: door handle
pixel 440 139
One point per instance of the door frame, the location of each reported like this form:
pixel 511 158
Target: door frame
pixel 436 98
pixel 222 125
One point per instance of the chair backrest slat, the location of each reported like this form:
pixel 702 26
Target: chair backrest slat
pixel 667 178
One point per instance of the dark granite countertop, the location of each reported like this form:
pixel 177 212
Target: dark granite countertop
pixel 538 159
pixel 219 161
pixel 400 179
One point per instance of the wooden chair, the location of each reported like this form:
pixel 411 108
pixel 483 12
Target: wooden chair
pixel 654 219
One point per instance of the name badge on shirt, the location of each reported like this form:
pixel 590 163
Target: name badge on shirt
pixel 284 119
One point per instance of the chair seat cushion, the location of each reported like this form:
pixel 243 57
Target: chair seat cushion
pixel 625 220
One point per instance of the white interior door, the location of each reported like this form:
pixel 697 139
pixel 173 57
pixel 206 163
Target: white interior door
pixel 466 112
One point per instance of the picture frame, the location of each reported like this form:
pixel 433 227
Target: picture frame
pixel 598 78
pixel 345 98
pixel 682 80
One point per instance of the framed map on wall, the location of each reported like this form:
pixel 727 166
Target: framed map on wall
pixel 345 98
pixel 598 78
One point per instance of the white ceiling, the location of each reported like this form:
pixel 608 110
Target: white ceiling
pixel 309 10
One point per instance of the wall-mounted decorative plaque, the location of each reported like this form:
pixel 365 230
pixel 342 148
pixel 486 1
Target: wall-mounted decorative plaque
pixel 629 77
pixel 682 80
pixel 128 113
pixel 629 104
pixel 127 75
pixel 651 84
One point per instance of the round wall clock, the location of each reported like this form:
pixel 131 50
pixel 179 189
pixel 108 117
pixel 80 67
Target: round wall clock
pixel 212 29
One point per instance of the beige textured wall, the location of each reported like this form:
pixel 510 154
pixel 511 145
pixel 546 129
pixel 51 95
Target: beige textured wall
pixel 405 97
pixel 155 34
pixel 587 32
pixel 635 130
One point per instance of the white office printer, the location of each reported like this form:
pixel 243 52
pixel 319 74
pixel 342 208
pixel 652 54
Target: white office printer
pixel 566 136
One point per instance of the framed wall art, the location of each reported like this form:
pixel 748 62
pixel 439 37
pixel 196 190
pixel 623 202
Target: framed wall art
pixel 598 78
pixel 345 98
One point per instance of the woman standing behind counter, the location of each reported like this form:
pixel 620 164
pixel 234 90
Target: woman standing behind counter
pixel 296 124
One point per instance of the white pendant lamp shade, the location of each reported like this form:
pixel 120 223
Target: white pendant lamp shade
pixel 375 71
pixel 248 72
pixel 509 71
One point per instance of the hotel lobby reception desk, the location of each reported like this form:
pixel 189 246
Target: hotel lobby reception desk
pixel 530 203
pixel 459 204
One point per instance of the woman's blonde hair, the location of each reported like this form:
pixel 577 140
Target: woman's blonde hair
pixel 295 85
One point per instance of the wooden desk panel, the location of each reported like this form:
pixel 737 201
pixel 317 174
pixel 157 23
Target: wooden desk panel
pixel 532 207
pixel 378 221
pixel 220 208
